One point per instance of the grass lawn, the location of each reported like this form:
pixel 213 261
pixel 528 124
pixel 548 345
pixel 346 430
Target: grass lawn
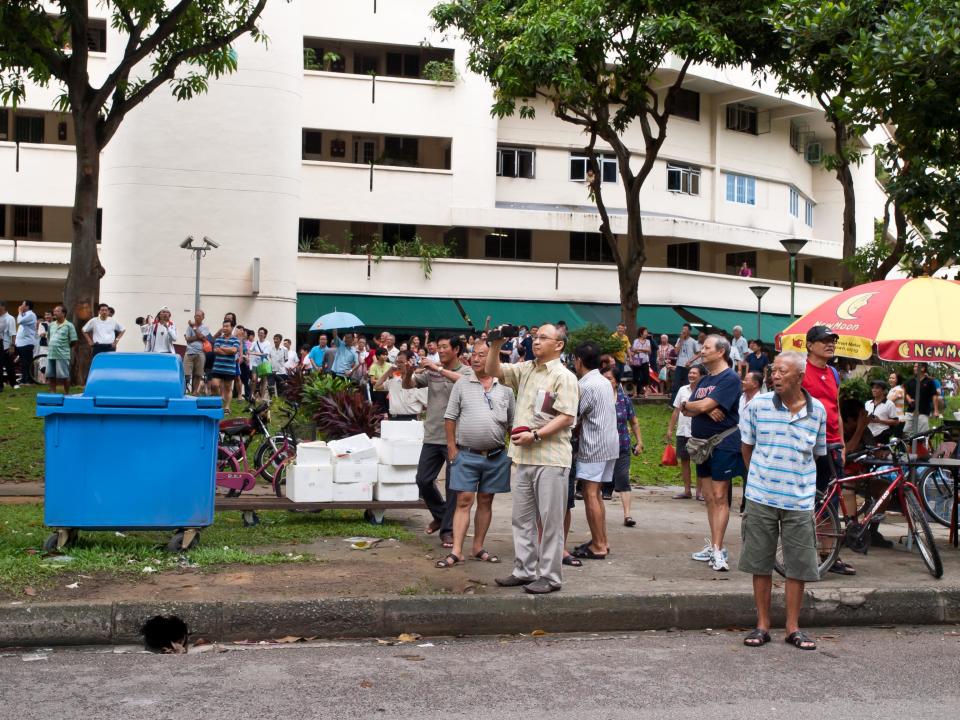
pixel 21 435
pixel 645 468
pixel 23 564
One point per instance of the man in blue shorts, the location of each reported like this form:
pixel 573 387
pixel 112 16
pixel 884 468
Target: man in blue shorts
pixel 714 409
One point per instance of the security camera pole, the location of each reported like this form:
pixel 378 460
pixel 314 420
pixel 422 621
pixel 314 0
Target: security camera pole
pixel 198 250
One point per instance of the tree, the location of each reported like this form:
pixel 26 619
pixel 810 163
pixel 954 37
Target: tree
pixel 817 36
pixel 162 38
pixel 597 64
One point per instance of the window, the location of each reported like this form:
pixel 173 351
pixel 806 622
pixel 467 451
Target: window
pixel 364 150
pixel 589 247
pixel 309 229
pixel 736 260
pixel 796 137
pixel 808 213
pixel 794 202
pixel 403 64
pixel 578 167
pixel 807 275
pixel 741 189
pixel 28 128
pixel 4 127
pixel 394 233
pixel 312 143
pixel 97 36
pixel 27 221
pixel 683 179
pixel 508 244
pixel 515 162
pixel 684 256
pixel 3 221
pixel 365 64
pixel 400 150
pixel 742 118
pixel 686 104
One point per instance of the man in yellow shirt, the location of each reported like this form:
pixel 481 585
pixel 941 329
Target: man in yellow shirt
pixel 620 355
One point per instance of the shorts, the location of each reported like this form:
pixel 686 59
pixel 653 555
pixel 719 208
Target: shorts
pixel 470 472
pixel 223 376
pixel 682 453
pixel 621 474
pixel 722 466
pixel 58 369
pixel 599 472
pixel 763 526
pixel 193 365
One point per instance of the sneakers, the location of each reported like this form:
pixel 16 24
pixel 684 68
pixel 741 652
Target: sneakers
pixel 704 555
pixel 718 561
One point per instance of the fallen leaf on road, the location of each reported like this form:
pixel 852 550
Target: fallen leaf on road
pixel 29 591
pixel 73 586
pixel 827 637
pixel 294 639
pixel 413 657
pixel 538 633
pixel 365 544
pixel 366 684
pixel 407 637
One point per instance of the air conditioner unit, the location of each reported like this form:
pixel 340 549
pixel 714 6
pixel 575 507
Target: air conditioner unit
pixel 814 153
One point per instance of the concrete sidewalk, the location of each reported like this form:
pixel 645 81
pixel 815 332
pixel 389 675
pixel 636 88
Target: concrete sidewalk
pixel 648 582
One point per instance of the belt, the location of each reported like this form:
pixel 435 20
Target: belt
pixel 485 453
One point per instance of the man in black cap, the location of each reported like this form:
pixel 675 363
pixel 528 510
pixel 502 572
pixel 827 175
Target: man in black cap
pixel 822 381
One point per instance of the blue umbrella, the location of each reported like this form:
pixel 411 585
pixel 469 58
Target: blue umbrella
pixel 336 320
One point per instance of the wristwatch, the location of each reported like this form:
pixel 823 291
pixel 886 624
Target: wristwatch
pixel 536 436
pixel 683 406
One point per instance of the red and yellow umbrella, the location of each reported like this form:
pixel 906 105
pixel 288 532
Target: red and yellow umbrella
pixel 908 320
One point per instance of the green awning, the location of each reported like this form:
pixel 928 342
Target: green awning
pixel 770 324
pixel 521 312
pixel 659 320
pixel 379 311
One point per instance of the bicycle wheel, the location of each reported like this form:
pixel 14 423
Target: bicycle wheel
pixel 920 529
pixel 936 493
pixel 279 480
pixel 829 540
pixel 268 447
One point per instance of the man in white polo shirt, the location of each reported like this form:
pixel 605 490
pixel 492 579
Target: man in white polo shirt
pixel 781 434
pixel 103 332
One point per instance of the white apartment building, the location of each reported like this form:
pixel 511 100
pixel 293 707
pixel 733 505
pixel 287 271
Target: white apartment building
pixel 332 134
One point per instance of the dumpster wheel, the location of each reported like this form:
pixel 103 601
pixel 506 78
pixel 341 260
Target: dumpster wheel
pixel 62 538
pixel 183 540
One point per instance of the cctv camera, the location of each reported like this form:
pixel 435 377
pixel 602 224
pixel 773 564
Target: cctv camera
pixel 187 243
pixel 210 243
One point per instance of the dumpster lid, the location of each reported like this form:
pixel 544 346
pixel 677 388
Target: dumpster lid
pixel 134 379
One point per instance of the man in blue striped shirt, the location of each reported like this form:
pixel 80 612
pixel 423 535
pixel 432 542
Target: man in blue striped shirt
pixel 781 433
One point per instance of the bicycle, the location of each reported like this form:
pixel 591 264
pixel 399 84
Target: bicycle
pixel 234 472
pixel 833 533
pixel 936 483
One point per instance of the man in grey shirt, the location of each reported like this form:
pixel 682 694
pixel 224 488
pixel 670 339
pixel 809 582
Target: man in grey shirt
pixel 688 352
pixel 478 419
pixel 8 331
pixel 598 446
pixel 195 359
pixel 439 380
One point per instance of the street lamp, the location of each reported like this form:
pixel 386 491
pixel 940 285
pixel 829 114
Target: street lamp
pixel 793 246
pixel 199 249
pixel 759 291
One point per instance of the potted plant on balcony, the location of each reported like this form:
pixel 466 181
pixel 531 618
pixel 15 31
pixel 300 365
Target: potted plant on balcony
pixel 440 71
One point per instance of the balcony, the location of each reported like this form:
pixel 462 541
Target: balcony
pixel 45 176
pixel 459 278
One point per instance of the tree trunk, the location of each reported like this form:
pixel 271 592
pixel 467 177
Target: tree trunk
pixel 82 290
pixel 629 270
pixel 845 176
pixel 893 259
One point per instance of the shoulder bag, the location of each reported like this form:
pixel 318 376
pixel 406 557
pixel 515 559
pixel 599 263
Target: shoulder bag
pixel 700 449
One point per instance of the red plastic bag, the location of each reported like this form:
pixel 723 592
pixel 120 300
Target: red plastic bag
pixel 669 456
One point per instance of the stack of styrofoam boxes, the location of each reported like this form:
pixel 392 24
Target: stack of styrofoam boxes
pixel 399 452
pixel 354 469
pixel 311 478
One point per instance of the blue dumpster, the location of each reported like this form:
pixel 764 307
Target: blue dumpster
pixel 131 452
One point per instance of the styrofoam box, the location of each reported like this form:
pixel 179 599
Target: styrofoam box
pixel 356 448
pixel 314 453
pixel 353 492
pixel 354 472
pixel 310 483
pixel 401 430
pixel 400 452
pixel 396 493
pixel 397 474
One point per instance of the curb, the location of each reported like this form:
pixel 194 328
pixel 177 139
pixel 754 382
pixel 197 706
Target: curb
pixel 119 622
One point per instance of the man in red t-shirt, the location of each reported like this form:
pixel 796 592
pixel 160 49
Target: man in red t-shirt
pixel 822 381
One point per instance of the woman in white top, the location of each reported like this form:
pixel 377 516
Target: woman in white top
pixel 682 424
pixel 882 416
pixel 162 333
pixel 258 353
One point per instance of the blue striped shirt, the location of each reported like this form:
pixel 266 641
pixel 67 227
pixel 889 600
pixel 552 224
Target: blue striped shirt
pixel 225 364
pixel 783 472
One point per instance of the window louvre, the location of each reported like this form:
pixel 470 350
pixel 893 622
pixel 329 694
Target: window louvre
pixel 589 247
pixel 794 202
pixel 515 162
pixel 808 213
pixel 28 128
pixel 742 118
pixel 686 104
pixel 579 165
pixel 683 179
pixel 741 189
pixel 27 221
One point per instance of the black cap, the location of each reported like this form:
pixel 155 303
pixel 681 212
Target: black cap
pixel 879 383
pixel 819 333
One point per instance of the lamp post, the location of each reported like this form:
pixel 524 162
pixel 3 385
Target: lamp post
pixel 793 246
pixel 759 291
pixel 199 249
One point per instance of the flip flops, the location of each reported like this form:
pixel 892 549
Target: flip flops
pixel 757 638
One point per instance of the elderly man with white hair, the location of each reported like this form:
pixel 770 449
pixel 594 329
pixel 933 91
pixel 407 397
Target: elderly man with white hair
pixel 782 432
pixel 739 349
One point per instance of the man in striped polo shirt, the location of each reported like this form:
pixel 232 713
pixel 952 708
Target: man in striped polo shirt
pixel 598 447
pixel 782 433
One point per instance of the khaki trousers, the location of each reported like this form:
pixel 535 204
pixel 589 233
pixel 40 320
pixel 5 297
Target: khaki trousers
pixel 539 492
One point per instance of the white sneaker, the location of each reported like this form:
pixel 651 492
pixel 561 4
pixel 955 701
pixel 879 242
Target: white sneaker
pixel 718 561
pixel 705 554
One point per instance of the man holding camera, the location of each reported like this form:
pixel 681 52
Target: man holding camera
pixel 547 397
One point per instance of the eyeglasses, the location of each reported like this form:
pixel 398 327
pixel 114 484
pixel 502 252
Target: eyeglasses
pixel 544 337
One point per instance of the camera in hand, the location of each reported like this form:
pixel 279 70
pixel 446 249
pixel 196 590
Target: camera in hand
pixel 504 332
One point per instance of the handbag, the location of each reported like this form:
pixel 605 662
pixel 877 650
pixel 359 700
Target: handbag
pixel 207 346
pixel 669 456
pixel 264 369
pixel 701 449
